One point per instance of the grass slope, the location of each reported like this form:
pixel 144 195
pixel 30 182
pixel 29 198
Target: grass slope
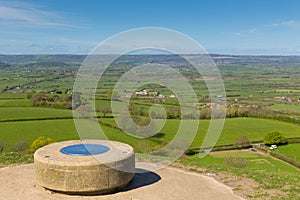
pixel 275 178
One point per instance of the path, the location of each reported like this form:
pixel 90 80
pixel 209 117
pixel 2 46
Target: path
pixel 17 182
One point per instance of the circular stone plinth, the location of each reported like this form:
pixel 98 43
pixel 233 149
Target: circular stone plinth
pixel 84 167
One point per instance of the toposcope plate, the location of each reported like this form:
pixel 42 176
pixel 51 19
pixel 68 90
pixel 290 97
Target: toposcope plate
pixel 84 149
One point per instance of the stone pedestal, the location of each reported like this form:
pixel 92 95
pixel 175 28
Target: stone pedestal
pixel 84 174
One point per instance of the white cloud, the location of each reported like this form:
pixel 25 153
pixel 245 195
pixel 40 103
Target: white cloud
pixel 244 33
pixel 17 13
pixel 288 23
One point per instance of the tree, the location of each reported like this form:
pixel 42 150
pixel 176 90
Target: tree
pixel 104 110
pixel 40 99
pixel 173 113
pixel 274 137
pixel 242 142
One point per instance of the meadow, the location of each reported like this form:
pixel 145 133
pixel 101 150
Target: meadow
pixel 15 103
pixel 25 113
pixel 262 177
pixel 64 129
pixel 253 128
pixel 290 150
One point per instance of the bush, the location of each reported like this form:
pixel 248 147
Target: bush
pixel 293 140
pixel 274 137
pixel 40 142
pixel 189 152
pixel 2 146
pixel 20 146
pixel 242 142
pixel 236 162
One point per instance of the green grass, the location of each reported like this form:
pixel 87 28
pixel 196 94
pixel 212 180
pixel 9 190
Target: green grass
pixel 12 96
pixel 290 150
pixel 15 103
pixel 12 158
pixel 12 113
pixel 235 153
pixel 257 161
pixel 58 130
pixel 289 108
pixel 253 128
pixel 271 174
pixel 61 130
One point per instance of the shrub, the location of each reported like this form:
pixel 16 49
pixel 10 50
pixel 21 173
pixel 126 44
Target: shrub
pixel 242 142
pixel 236 162
pixel 2 146
pixel 274 137
pixel 189 152
pixel 20 146
pixel 40 142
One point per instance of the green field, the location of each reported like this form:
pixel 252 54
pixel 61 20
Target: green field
pixel 59 130
pixel 12 113
pixel 290 150
pixel 290 108
pixel 15 103
pixel 257 161
pixel 7 95
pixel 253 128
pixel 11 132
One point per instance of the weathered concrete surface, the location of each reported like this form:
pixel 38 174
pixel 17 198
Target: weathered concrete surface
pixel 166 184
pixel 100 173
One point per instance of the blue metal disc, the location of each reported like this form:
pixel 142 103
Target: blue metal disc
pixel 84 149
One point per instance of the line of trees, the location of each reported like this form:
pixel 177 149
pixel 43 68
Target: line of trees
pixel 175 113
pixel 43 99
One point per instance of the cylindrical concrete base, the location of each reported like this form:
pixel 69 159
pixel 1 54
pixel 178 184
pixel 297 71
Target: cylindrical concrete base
pixel 84 174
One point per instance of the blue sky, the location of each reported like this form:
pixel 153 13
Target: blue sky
pixel 227 27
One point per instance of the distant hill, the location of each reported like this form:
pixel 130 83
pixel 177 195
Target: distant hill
pixel 46 64
pixel 175 60
pixel 225 60
pixel 24 59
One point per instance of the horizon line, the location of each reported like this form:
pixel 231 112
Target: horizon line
pixel 144 54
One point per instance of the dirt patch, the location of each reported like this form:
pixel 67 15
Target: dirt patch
pixel 261 161
pixel 241 186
